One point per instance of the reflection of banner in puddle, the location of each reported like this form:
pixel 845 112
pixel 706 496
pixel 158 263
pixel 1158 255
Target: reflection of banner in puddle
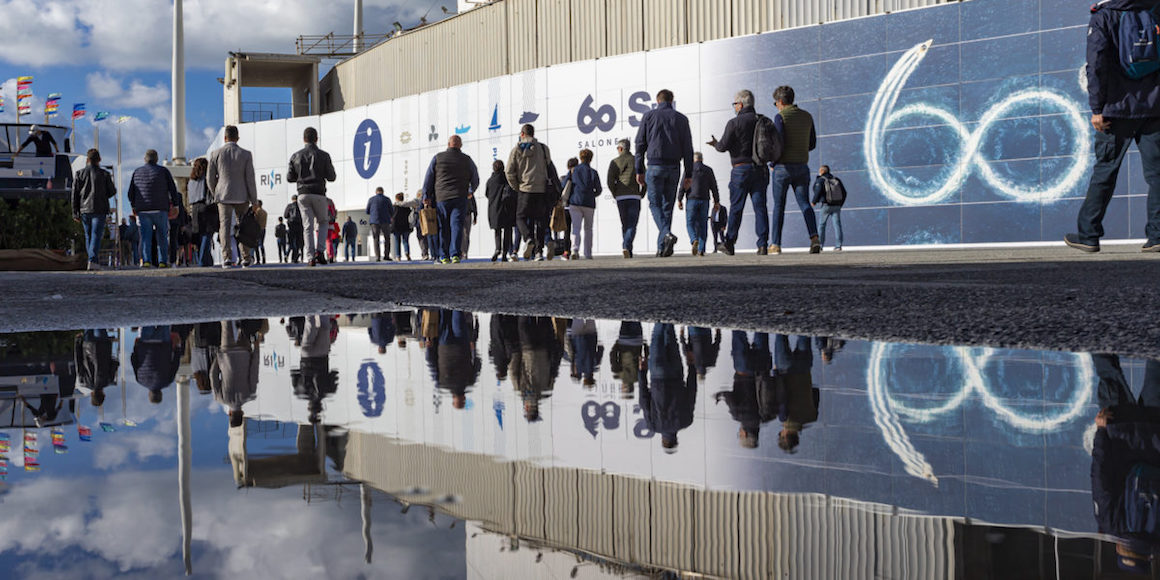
pixel 889 412
pixel 969 159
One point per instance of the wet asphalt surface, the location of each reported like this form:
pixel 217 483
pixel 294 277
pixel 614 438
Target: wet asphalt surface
pixel 1046 298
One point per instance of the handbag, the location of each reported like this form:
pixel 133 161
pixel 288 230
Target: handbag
pixel 559 221
pixel 430 324
pixel 428 221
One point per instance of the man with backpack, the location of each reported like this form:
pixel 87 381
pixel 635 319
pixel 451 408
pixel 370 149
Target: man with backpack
pixel 831 193
pixel 1126 461
pixel 748 179
pixel 294 230
pixel 1124 94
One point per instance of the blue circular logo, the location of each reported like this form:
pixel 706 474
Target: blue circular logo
pixel 368 149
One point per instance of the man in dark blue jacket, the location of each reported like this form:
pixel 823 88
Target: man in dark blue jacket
pixel 151 193
pixel 746 179
pixel 381 212
pixel 697 217
pixel 1127 435
pixel 669 397
pixel 665 141
pixel 1123 110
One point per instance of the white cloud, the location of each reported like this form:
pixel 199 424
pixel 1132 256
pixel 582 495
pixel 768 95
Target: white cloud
pixel 136 34
pixel 137 95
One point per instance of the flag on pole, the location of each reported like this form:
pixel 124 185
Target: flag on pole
pixel 23 96
pixel 53 96
pixel 78 110
pixel 23 81
pixel 101 116
pixel 85 433
pixel 123 118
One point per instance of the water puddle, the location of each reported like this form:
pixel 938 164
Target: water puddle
pixel 446 444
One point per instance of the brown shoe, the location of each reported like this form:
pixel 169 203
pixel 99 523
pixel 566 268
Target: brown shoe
pixel 815 245
pixel 626 254
pixel 774 249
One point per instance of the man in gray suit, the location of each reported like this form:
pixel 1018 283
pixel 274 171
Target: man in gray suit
pixel 231 179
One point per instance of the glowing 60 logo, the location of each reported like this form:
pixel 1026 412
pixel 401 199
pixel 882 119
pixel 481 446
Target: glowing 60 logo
pixel 590 118
pixel 969 158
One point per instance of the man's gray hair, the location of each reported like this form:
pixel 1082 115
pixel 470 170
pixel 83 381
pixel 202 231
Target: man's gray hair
pixel 151 156
pixel 745 97
pixel 623 144
pixel 697 156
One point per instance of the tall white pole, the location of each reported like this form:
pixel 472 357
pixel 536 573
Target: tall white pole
pixel 177 123
pixel 184 465
pixel 358 26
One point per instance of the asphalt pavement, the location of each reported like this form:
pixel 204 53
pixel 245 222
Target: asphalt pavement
pixel 1042 297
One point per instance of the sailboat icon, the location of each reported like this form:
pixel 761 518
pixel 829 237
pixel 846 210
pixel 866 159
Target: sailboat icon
pixel 494 126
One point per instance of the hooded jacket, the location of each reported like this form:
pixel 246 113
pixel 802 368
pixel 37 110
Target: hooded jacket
pixel 530 167
pixel 1110 92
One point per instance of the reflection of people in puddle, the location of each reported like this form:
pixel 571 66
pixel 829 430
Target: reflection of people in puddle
pixel 95 365
pixel 827 347
pixel 313 380
pixel 207 337
pixel 586 351
pixel 797 400
pixel 404 327
pixel 505 343
pixel 628 357
pixel 46 412
pixel 238 359
pixel 751 402
pixel 534 371
pixel 451 356
pixel 1126 461
pixel 667 396
pixel 701 348
pixel 382 330
pixel 156 356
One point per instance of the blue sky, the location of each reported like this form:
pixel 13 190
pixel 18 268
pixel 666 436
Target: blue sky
pixel 114 55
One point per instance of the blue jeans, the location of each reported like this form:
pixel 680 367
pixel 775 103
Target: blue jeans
pixel 94 224
pixel 433 248
pixel 697 219
pixel 155 227
pixel 402 241
pixel 748 181
pixel 348 250
pixel 452 214
pixel 796 176
pixel 205 250
pixel 828 211
pixel 662 182
pixel 629 217
pixel 1110 149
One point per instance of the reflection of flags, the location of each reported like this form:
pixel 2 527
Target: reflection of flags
pixel 108 427
pixel 1 103
pixel 101 116
pixel 78 110
pixel 84 433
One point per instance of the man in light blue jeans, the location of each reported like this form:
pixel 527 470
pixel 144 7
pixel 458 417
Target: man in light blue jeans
pixel 831 193
pixel 665 142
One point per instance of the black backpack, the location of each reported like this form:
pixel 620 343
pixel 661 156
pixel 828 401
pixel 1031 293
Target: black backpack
pixel 248 232
pixel 835 191
pixel 767 145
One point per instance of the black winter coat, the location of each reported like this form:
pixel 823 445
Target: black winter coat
pixel 501 202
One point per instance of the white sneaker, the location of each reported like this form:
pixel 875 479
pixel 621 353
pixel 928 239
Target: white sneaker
pixel 94 267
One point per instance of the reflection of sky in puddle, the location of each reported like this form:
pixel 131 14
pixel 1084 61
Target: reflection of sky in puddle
pixel 989 434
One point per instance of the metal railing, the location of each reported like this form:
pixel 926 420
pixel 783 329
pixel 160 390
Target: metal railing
pixel 337 45
pixel 255 111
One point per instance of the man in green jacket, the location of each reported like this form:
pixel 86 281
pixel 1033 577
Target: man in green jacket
pixel 796 128
pixel 624 188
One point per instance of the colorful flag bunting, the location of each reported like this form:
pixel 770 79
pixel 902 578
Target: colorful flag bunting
pixel 84 433
pixel 23 81
pixel 23 96
pixel 78 110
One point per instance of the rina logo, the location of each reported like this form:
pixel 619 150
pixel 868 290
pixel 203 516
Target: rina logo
pixel 271 179
pixel 368 148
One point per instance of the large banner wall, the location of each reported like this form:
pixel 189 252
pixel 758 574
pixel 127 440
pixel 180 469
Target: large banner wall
pixel 957 124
